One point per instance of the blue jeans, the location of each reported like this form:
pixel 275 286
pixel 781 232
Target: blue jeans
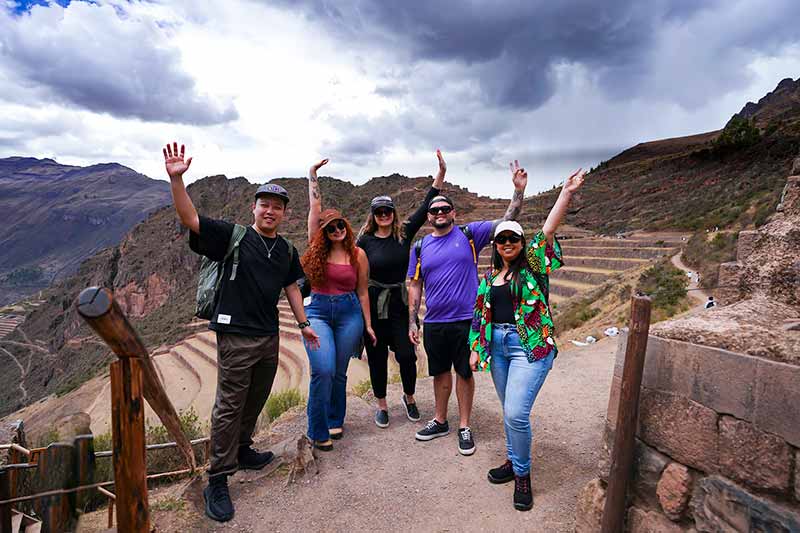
pixel 339 323
pixel 517 382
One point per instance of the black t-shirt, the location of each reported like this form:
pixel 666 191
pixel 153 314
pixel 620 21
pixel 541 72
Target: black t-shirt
pixel 248 304
pixel 388 257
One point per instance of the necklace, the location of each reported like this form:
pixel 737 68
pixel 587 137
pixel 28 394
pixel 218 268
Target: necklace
pixel 268 249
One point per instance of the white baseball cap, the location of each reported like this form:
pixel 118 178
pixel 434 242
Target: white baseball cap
pixel 509 225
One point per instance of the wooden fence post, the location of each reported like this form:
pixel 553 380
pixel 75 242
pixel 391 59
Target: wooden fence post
pixel 54 471
pixel 84 468
pixel 130 466
pixel 5 494
pixel 627 414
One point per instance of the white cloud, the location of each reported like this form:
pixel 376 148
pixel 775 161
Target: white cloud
pixel 112 82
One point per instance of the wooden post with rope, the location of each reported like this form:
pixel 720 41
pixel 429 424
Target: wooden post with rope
pixel 133 377
pixel 622 454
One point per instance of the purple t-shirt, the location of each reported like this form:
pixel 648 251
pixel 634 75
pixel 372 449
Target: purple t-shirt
pixel 449 273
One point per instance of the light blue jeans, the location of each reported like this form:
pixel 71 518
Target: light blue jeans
pixel 517 382
pixel 340 324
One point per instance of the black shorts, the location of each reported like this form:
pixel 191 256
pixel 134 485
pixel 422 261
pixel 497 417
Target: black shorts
pixel 447 346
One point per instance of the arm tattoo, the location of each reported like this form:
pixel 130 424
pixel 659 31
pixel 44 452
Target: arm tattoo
pixel 413 312
pixel 514 208
pixel 313 186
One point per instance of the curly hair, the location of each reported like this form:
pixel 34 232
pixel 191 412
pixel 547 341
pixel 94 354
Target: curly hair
pixel 316 256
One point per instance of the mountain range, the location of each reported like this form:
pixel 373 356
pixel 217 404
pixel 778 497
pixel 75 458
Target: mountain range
pixel 729 178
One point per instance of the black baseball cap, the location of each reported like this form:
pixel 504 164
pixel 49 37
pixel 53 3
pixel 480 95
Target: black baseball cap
pixel 381 201
pixel 274 190
pixel 441 198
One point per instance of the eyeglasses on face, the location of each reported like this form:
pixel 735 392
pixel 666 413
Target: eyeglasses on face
pixel 513 239
pixel 383 212
pixel 444 209
pixel 334 226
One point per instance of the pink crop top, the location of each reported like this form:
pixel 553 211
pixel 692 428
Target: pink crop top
pixel 339 279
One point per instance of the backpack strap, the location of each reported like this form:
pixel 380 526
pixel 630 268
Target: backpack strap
pixel 465 229
pixel 291 249
pixel 233 247
pixel 418 251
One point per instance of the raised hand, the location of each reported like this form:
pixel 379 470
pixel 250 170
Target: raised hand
pixel 574 182
pixel 173 160
pixel 519 176
pixel 442 164
pixel 316 166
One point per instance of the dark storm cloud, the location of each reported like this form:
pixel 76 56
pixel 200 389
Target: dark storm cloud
pixel 98 60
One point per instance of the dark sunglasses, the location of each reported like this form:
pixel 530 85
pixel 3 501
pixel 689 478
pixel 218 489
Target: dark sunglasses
pixel 502 239
pixel 333 226
pixel 445 209
pixel 383 212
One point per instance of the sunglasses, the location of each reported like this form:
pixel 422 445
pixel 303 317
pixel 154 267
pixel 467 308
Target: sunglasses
pixel 502 239
pixel 333 227
pixel 383 212
pixel 445 209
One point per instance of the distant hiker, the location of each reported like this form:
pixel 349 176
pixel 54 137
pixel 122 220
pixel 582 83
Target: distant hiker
pixel 387 243
pixel 512 333
pixel 445 265
pixel 338 272
pixel 245 319
pixel 710 303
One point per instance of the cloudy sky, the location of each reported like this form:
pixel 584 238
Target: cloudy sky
pixel 264 88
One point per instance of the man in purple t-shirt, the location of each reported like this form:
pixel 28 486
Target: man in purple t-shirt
pixel 447 269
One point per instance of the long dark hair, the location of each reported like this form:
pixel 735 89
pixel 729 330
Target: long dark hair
pixel 514 268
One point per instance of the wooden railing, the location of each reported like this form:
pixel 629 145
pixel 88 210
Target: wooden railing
pixel 59 477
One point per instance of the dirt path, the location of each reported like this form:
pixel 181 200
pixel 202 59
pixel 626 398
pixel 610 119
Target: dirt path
pixel 385 480
pixel 695 292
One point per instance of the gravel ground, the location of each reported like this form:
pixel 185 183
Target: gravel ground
pixel 382 479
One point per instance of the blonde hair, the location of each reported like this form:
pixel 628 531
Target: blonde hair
pixel 370 227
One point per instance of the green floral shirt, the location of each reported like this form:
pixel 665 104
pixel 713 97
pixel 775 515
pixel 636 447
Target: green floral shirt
pixel 533 320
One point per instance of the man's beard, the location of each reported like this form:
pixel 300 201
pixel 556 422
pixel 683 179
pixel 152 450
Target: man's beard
pixel 442 225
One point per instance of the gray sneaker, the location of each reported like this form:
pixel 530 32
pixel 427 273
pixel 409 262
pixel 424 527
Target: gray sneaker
pixel 382 418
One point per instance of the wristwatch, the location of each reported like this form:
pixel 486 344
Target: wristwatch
pixel 302 325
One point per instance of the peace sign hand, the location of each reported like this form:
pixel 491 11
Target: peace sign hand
pixel 519 176
pixel 173 160
pixel 574 182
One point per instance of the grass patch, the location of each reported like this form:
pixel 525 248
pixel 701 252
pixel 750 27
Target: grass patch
pixel 168 504
pixel 574 314
pixel 362 388
pixel 395 379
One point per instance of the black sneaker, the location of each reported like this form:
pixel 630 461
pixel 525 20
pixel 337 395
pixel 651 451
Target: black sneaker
pixel 411 410
pixel 523 495
pixel 382 418
pixel 336 433
pixel 466 445
pixel 218 500
pixel 432 430
pixel 502 474
pixel 249 459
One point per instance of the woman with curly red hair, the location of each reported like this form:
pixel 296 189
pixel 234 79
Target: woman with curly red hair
pixel 338 272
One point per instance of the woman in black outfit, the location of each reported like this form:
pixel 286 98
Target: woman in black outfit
pixel 387 244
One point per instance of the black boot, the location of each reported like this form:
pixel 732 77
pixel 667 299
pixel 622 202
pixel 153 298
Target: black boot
pixel 219 506
pixel 523 496
pixel 249 459
pixel 502 474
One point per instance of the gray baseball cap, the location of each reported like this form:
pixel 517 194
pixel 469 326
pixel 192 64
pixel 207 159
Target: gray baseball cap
pixel 274 190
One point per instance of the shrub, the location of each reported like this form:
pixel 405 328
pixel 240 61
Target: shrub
pixel 738 133
pixel 361 389
pixel 280 402
pixel 665 284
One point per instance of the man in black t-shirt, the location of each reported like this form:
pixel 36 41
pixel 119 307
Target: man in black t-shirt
pixel 245 318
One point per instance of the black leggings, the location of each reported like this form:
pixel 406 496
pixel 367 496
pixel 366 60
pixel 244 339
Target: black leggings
pixel 391 333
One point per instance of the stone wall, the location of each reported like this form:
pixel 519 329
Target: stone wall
pixel 718 437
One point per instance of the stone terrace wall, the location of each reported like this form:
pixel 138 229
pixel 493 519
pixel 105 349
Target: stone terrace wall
pixel 718 445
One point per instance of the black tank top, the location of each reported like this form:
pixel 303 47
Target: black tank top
pixel 502 309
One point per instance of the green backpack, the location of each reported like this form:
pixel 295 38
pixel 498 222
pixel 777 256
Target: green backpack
pixel 210 276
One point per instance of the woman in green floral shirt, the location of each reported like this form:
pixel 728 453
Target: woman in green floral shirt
pixel 512 332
